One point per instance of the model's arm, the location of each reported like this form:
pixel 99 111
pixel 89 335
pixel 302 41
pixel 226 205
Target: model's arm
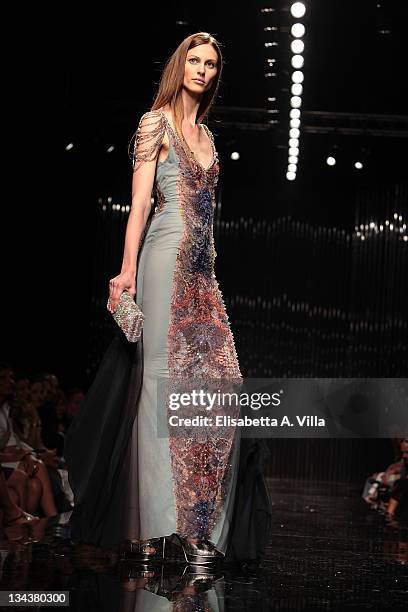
pixel 149 136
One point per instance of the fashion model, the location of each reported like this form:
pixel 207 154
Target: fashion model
pixel 135 490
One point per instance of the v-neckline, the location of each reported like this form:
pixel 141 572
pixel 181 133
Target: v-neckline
pixel 184 149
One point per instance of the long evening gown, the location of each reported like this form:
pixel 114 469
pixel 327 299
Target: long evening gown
pixel 128 482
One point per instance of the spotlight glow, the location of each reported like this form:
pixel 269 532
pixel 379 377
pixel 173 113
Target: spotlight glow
pixel 69 146
pixel 293 142
pixel 294 132
pixel 358 165
pixel 297 46
pixel 297 61
pixel 297 89
pixel 292 167
pixel 298 30
pixel 294 151
pixel 293 159
pixel 296 101
pixel 235 155
pixel 291 176
pixel 294 123
pixel 297 76
pixel 294 113
pixel 330 161
pixel 298 9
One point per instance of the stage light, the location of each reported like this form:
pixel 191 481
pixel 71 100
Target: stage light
pixel 294 133
pixel 293 142
pixel 292 167
pixel 294 123
pixel 297 76
pixel 69 146
pixel 297 61
pixel 294 113
pixel 296 101
pixel 294 151
pixel 110 149
pixel 297 46
pixel 297 30
pixel 291 176
pixel 298 9
pixel 293 159
pixel 330 161
pixel 358 165
pixel 235 155
pixel 297 89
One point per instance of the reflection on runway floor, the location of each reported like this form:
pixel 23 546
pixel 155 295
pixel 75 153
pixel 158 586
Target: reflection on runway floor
pixel 327 551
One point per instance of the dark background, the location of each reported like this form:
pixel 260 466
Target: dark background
pixel 304 296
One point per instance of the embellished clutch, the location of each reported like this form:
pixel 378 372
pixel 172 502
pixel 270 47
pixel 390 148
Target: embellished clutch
pixel 129 317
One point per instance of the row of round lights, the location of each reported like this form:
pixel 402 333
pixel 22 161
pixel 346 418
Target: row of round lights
pixel 70 146
pixel 332 161
pixel 297 46
pixel 396 225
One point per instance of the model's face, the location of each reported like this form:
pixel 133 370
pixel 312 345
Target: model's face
pixel 201 65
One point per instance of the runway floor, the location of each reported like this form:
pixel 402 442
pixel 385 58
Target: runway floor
pixel 327 552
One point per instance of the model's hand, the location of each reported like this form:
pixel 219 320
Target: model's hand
pixel 125 281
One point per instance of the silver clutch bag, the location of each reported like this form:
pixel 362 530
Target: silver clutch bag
pixel 129 317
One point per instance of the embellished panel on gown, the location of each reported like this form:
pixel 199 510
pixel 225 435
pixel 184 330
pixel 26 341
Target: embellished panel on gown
pixel 151 486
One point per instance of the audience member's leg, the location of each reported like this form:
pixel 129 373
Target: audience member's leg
pixel 47 499
pixel 10 512
pixel 18 488
pixel 34 495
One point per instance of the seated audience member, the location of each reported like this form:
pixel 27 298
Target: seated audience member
pixel 17 454
pixel 75 397
pixel 398 502
pixel 47 410
pixel 13 500
pixel 385 490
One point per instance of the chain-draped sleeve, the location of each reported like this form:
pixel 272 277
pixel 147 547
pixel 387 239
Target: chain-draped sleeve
pixel 148 138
